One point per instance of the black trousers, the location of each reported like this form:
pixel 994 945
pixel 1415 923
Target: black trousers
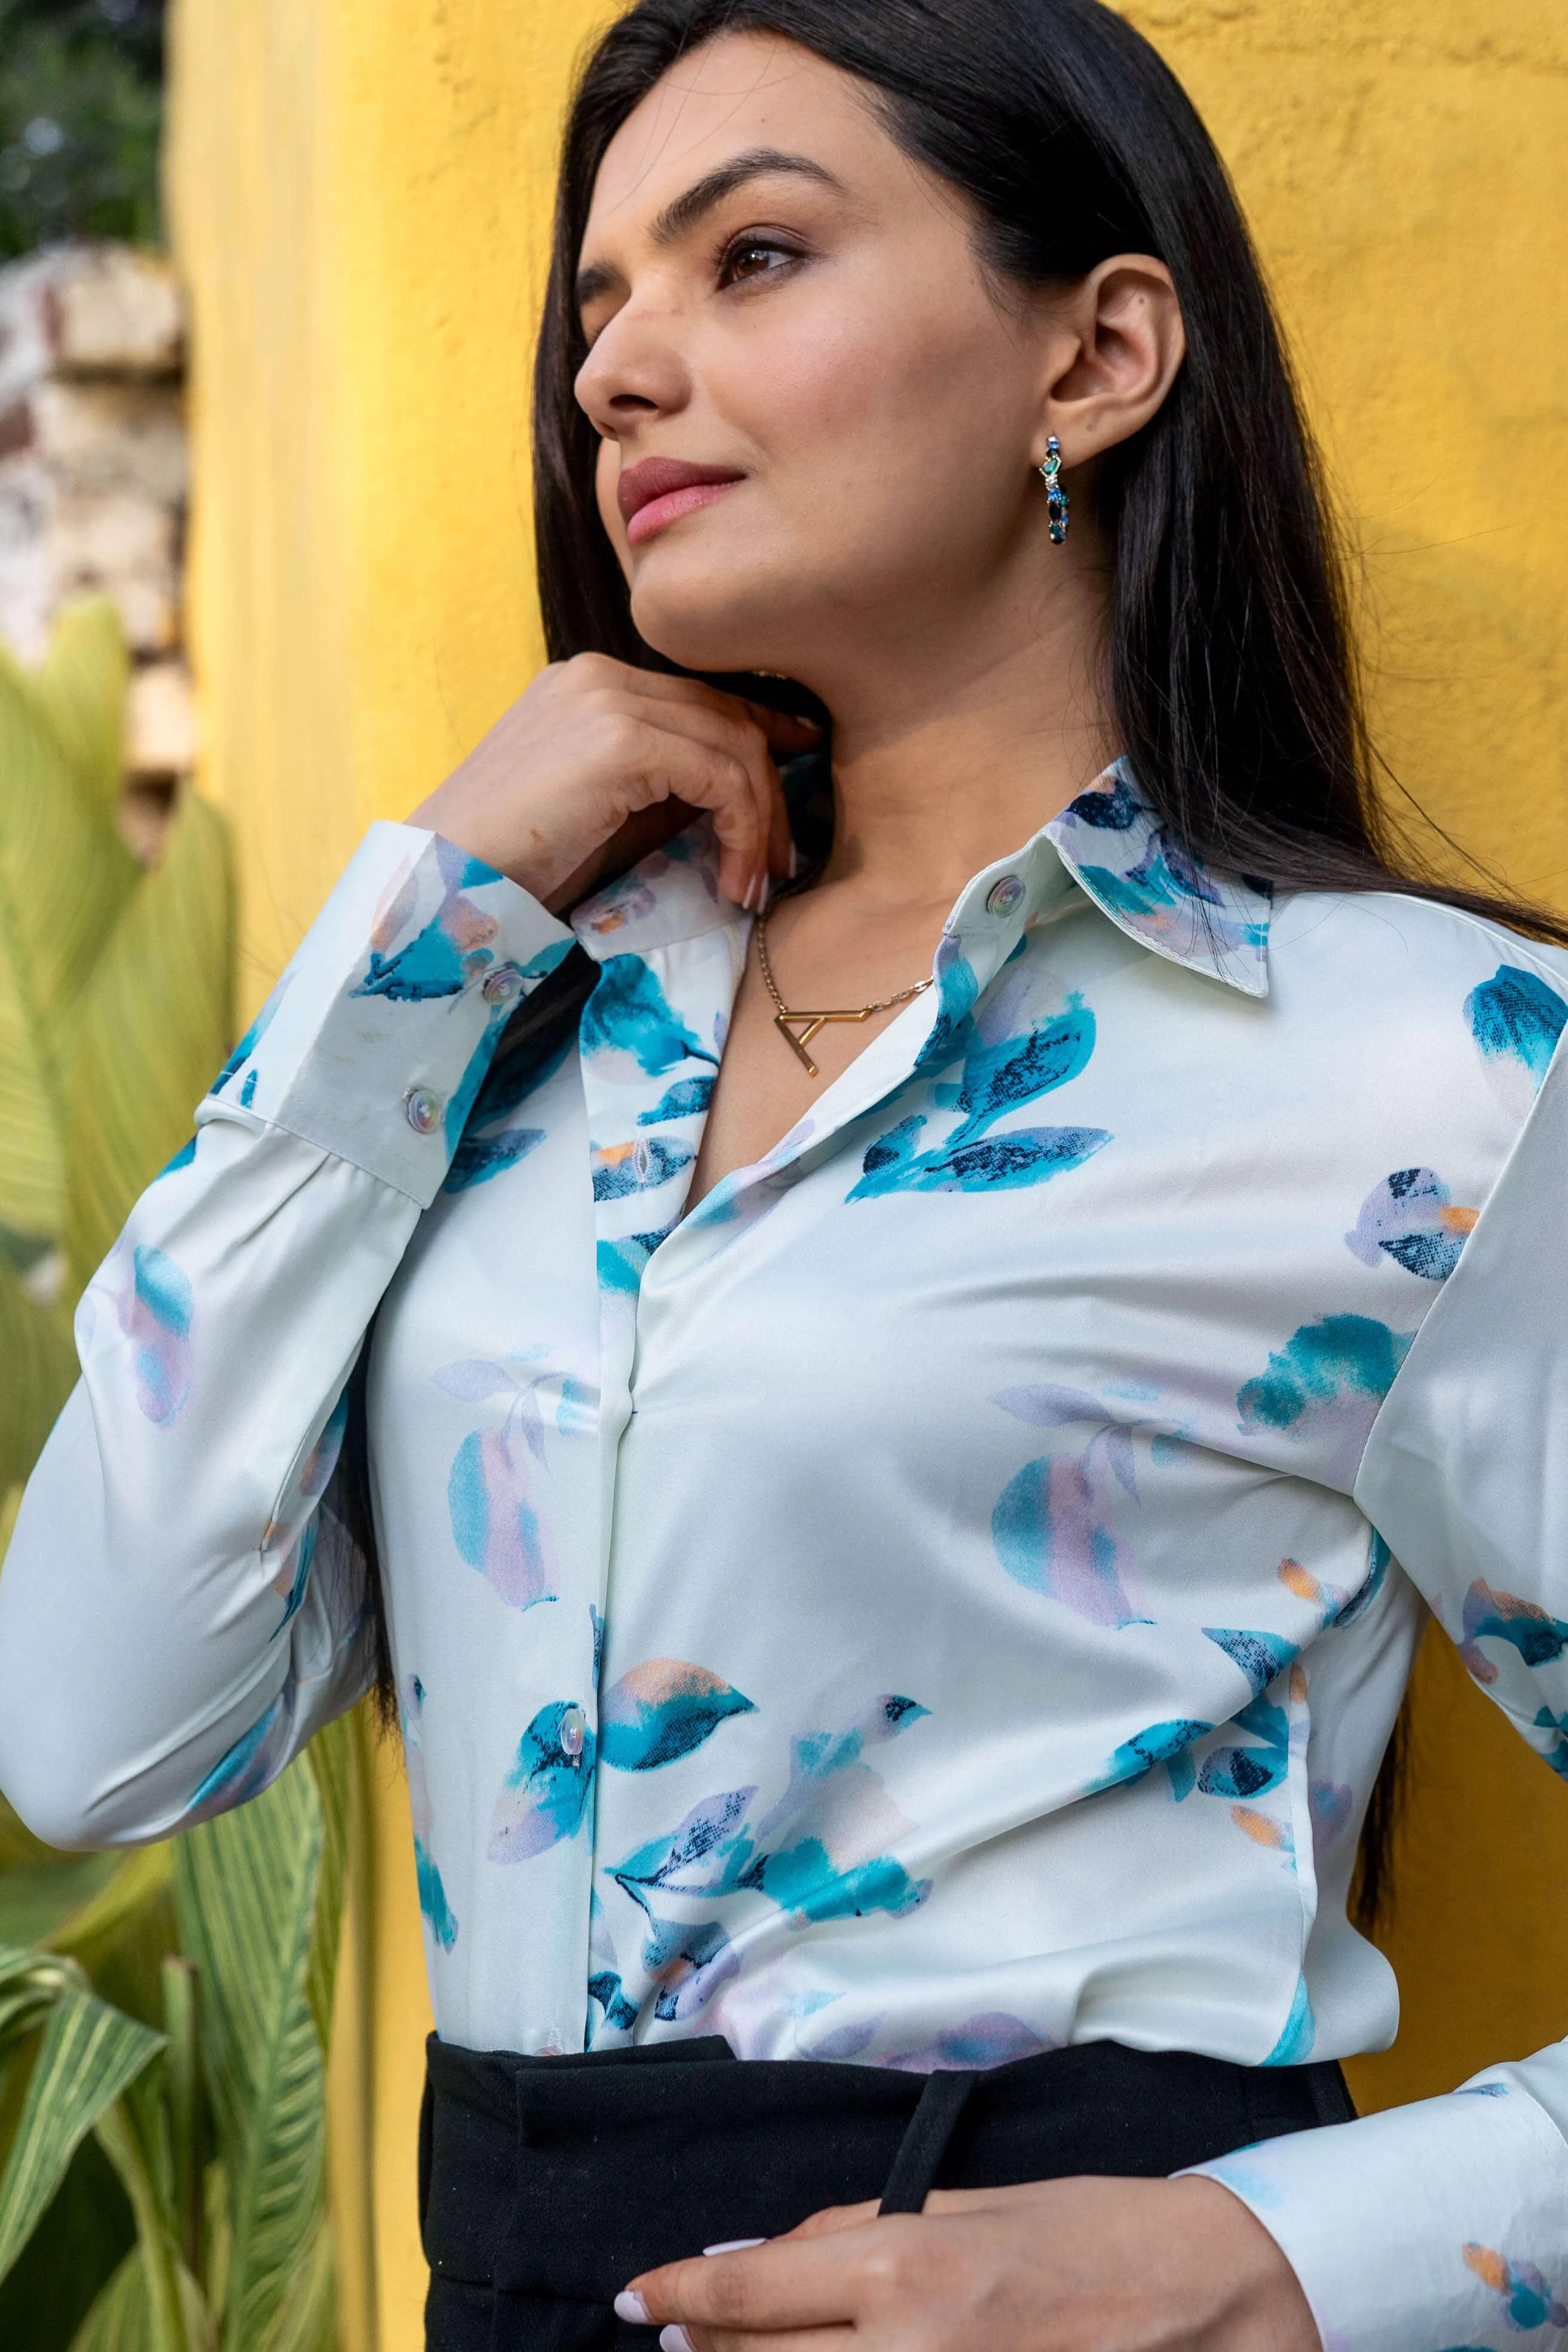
pixel 546 2183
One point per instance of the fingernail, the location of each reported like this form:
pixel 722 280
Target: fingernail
pixel 794 862
pixel 675 2339
pixel 750 894
pixel 630 2306
pixel 733 2245
pixel 763 900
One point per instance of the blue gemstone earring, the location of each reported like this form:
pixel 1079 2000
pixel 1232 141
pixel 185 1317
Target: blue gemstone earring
pixel 1055 496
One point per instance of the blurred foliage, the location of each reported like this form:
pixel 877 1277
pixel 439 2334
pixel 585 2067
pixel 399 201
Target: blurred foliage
pixel 163 2013
pixel 80 113
pixel 162 2116
pixel 115 1002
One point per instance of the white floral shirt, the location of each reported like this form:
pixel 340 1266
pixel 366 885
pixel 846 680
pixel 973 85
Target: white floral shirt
pixel 943 1598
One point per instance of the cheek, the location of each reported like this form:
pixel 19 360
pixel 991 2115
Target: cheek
pixel 607 475
pixel 890 401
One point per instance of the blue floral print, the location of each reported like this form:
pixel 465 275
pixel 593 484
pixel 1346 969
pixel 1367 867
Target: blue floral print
pixel 941 1598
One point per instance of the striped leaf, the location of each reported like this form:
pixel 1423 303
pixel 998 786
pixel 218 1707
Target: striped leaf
pixel 150 1033
pixel 64 874
pixel 38 1370
pixel 307 2321
pixel 121 2320
pixel 89 2055
pixel 249 1886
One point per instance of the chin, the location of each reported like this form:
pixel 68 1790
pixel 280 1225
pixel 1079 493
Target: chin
pixel 711 632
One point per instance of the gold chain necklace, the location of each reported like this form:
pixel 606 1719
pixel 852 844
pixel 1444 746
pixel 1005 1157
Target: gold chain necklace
pixel 782 1016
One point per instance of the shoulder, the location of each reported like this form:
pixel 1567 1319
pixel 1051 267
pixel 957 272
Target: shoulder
pixel 1446 993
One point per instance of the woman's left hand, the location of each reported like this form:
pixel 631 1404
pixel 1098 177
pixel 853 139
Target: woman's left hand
pixel 1079 2266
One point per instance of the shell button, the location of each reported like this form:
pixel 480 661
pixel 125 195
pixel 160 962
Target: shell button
pixel 573 1731
pixel 503 986
pixel 421 1108
pixel 1005 897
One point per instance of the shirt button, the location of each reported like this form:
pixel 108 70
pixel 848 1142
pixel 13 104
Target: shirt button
pixel 573 1731
pixel 421 1108
pixel 1005 897
pixel 642 1160
pixel 498 987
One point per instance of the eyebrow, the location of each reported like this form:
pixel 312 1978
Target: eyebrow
pixel 683 212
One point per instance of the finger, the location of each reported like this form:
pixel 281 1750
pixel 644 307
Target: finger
pixel 676 2338
pixel 788 731
pixel 732 734
pixel 793 2281
pixel 669 763
pixel 833 2218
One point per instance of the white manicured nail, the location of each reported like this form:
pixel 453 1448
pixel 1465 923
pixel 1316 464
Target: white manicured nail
pixel 763 901
pixel 750 894
pixel 734 2245
pixel 675 2339
pixel 631 2307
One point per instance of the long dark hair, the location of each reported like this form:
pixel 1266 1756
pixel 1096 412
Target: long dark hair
pixel 1229 664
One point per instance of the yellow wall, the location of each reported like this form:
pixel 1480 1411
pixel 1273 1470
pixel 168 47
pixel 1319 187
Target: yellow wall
pixel 361 192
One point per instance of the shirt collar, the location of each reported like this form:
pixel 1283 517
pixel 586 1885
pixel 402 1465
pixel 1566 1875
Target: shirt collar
pixel 1107 841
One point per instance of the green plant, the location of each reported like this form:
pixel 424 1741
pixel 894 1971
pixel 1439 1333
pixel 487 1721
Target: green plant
pixel 80 110
pixel 164 2015
pixel 214 2119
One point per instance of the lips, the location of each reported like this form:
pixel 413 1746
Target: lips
pixel 659 490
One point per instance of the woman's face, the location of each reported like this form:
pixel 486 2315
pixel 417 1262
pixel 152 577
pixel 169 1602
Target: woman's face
pixel 780 298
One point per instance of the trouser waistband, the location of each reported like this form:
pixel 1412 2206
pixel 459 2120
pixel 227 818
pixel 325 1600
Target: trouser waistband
pixel 554 2181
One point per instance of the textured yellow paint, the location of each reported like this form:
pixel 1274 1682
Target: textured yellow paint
pixel 361 192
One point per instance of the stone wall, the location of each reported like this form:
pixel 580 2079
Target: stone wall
pixel 93 478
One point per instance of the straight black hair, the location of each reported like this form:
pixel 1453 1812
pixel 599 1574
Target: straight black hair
pixel 1228 659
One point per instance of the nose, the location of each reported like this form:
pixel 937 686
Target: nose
pixel 635 371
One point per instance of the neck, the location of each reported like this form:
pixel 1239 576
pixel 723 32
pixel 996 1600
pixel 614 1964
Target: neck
pixel 956 748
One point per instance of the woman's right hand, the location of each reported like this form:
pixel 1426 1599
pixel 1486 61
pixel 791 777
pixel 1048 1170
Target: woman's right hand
pixel 599 764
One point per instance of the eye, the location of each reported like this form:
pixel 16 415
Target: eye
pixel 756 253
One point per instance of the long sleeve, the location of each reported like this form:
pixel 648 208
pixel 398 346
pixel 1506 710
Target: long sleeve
pixel 171 1631
pixel 1445 2223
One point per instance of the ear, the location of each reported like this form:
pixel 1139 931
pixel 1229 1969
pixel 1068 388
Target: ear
pixel 1114 346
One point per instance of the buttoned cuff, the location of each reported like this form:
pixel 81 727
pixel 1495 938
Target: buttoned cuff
pixel 376 1041
pixel 1440 2224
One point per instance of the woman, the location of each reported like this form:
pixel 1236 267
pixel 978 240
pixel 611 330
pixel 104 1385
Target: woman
pixel 878 1392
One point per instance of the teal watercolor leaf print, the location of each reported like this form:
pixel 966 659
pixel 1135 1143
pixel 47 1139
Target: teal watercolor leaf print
pixel 623 1169
pixel 497 1525
pixel 1324 1386
pixel 439 1915
pixel 156 1306
pixel 1139 871
pixel 1252 1770
pixel 1001 1072
pixel 1159 1743
pixel 688 1963
pixel 1488 1616
pixel 544 1797
pixel 1260 1656
pixel 1322 1364
pixel 1027 1155
pixel 448 951
pixel 685 1099
pixel 819 1852
pixel 628 1015
pixel 253 1762
pixel 1516 1020
pixel 1051 1526
pixel 1410 1218
pixel 1528 2300
pixel 1294 2046
pixel 661 1710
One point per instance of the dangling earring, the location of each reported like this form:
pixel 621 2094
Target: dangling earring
pixel 1055 496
